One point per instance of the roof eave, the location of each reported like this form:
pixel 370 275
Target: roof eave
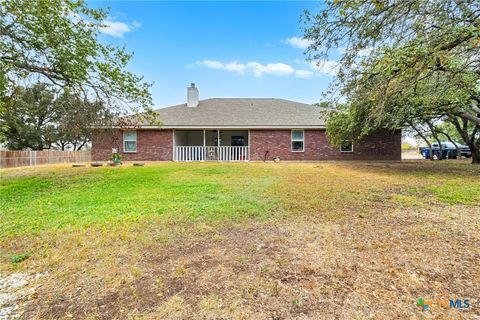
pixel 149 127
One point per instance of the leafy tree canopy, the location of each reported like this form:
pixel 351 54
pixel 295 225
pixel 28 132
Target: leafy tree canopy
pixel 57 41
pixel 37 118
pixel 402 62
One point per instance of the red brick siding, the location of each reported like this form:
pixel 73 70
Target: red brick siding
pixel 381 146
pixel 152 145
pixel 156 145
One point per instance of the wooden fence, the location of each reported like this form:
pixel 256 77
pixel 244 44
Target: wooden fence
pixel 11 159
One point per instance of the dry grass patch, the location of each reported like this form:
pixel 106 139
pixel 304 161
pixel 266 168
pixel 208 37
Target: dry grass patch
pixel 329 241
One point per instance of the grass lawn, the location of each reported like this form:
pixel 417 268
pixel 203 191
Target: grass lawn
pixel 360 240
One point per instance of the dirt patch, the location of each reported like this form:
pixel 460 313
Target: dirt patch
pixel 360 268
pixel 411 155
pixel 16 290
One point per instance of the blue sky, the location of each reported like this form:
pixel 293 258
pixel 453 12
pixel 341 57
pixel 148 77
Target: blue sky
pixel 229 49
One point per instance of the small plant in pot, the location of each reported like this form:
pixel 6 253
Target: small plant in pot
pixel 116 159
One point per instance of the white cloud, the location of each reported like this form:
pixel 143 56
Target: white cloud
pixel 255 68
pixel 115 29
pixel 297 42
pixel 327 67
pixel 118 29
pixel 211 64
pixel 279 69
pixel 303 74
pixel 235 67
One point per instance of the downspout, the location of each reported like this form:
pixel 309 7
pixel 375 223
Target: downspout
pixel 248 144
pixel 173 146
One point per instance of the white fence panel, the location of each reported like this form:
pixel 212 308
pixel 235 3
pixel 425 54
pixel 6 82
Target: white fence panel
pixel 211 153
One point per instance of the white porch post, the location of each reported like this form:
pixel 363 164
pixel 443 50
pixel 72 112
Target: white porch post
pixel 248 146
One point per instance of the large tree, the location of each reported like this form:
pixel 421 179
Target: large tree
pixel 37 118
pixel 76 118
pixel 401 62
pixel 29 120
pixel 57 41
pixel 420 103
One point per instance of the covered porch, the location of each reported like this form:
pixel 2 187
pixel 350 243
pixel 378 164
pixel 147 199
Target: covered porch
pixel 211 145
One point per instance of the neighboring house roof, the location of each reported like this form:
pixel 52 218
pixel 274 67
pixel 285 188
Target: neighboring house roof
pixel 242 113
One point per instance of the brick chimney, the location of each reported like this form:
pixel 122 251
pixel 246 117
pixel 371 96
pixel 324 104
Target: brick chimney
pixel 192 96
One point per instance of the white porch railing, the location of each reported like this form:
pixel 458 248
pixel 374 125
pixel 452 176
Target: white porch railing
pixel 223 153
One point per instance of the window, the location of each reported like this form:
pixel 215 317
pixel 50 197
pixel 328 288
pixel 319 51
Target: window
pixel 130 141
pixel 297 140
pixel 347 146
pixel 238 141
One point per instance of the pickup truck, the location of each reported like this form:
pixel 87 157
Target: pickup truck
pixel 449 150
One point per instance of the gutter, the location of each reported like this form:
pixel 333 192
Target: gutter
pixel 215 127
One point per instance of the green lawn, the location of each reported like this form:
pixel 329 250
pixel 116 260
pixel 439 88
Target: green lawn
pixel 79 197
pixel 242 240
pixel 69 199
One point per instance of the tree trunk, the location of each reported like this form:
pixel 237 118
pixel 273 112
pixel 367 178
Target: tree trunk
pixel 459 152
pixel 435 136
pixel 475 154
pixel 440 148
pixel 81 145
pixel 469 138
pixel 421 135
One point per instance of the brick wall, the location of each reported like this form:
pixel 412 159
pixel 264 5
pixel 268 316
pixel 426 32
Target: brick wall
pixel 381 146
pixel 152 145
pixel 156 145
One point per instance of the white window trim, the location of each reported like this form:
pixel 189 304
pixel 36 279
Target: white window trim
pixel 292 140
pixel 349 151
pixel 124 141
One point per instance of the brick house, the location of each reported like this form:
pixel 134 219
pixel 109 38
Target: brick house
pixel 225 129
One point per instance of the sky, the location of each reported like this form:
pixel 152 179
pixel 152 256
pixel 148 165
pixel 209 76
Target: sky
pixel 228 49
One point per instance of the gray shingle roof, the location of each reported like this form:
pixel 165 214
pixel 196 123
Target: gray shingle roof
pixel 240 112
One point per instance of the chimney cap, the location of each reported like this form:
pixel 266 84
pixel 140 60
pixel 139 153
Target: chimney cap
pixel 192 85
